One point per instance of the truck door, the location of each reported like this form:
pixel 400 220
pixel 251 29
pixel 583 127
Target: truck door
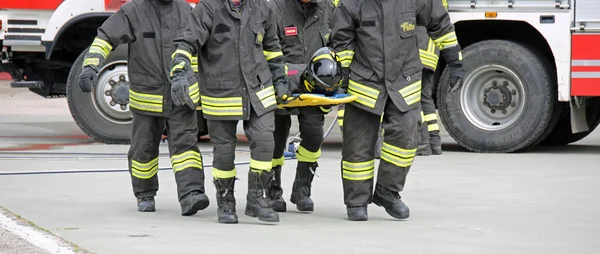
pixel 585 48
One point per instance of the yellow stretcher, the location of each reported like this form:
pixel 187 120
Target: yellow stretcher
pixel 310 99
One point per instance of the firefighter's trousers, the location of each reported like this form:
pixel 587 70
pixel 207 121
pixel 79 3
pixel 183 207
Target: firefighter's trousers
pixel 186 159
pixel 258 130
pixel 427 103
pixel 311 121
pixel 401 137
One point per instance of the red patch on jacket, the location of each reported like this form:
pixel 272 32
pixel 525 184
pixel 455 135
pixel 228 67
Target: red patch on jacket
pixel 291 31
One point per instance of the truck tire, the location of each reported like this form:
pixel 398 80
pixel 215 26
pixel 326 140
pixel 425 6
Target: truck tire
pixel 562 135
pixel 93 112
pixel 507 102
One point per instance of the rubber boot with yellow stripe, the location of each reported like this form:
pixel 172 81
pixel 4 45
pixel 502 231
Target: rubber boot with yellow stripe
pixel 305 172
pixel 257 205
pixel 225 200
pixel 391 201
pixel 275 194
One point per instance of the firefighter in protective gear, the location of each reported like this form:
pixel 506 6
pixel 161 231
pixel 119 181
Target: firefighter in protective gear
pixel 376 41
pixel 430 141
pixel 303 27
pixel 242 77
pixel 148 27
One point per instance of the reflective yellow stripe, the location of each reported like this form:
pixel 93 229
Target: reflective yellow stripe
pixel 178 66
pixel 195 68
pixel 447 41
pixel 430 117
pixel 187 159
pixel 219 102
pixel 260 165
pixel 324 56
pixel 460 57
pixel 411 93
pixel 184 53
pixel 91 61
pixel 144 170
pixel 269 55
pixel 145 102
pixel 217 173
pixel 433 127
pixel 325 110
pixel 227 106
pixel 428 59
pixel 366 96
pixel 222 111
pixel 304 155
pixel 195 92
pixel 104 45
pixel 431 46
pixel 278 162
pixel 340 117
pixel 397 156
pixel 335 2
pixel 286 70
pixel 98 50
pixel 345 57
pixel 357 171
pixel 194 60
pixel 422 117
pixel 267 96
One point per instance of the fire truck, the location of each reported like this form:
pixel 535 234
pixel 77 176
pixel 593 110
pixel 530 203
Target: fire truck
pixel 532 69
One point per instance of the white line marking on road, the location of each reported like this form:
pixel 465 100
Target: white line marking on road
pixel 42 240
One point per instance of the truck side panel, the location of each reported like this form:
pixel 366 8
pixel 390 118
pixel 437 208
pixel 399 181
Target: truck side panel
pixel 30 4
pixel 585 70
pixel 67 11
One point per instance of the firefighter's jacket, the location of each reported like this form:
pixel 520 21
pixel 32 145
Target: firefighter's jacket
pixel 293 73
pixel 428 51
pixel 148 26
pixel 376 40
pixel 302 28
pixel 239 57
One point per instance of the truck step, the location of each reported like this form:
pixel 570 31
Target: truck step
pixel 27 84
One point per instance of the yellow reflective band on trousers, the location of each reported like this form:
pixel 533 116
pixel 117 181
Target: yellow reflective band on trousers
pixel 188 55
pixel 397 156
pixel 411 93
pixel 430 117
pixel 366 96
pixel 358 171
pixel 431 120
pixel 447 41
pixel 267 96
pixel 144 170
pixel 195 64
pixel 277 162
pixel 187 159
pixel 98 50
pixel 195 92
pixel 145 102
pixel 102 44
pixel 270 55
pixel 91 61
pixel 217 173
pixel 260 165
pixel 227 106
pixel 433 127
pixel 304 155
pixel 346 57
pixel 340 117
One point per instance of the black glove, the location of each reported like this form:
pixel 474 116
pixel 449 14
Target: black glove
pixel 180 91
pixel 282 92
pixel 453 57
pixel 87 78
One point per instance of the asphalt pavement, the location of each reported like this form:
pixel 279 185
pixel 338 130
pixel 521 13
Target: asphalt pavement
pixel 65 194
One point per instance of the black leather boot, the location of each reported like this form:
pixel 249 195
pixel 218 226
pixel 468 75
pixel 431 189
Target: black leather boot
pixel 146 204
pixel 275 193
pixel 305 172
pixel 225 200
pixel 193 202
pixel 357 213
pixel 424 149
pixel 436 142
pixel 391 201
pixel 257 204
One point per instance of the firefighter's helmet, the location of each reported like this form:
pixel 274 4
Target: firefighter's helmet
pixel 323 74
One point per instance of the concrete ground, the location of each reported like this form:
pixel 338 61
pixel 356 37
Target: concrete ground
pixel 544 201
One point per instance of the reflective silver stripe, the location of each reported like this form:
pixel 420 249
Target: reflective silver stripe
pixel 269 101
pixel 227 101
pixel 585 62
pixel 585 74
pixel 265 92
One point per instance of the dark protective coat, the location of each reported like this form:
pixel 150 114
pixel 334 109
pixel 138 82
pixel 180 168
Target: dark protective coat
pixel 376 40
pixel 234 80
pixel 149 27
